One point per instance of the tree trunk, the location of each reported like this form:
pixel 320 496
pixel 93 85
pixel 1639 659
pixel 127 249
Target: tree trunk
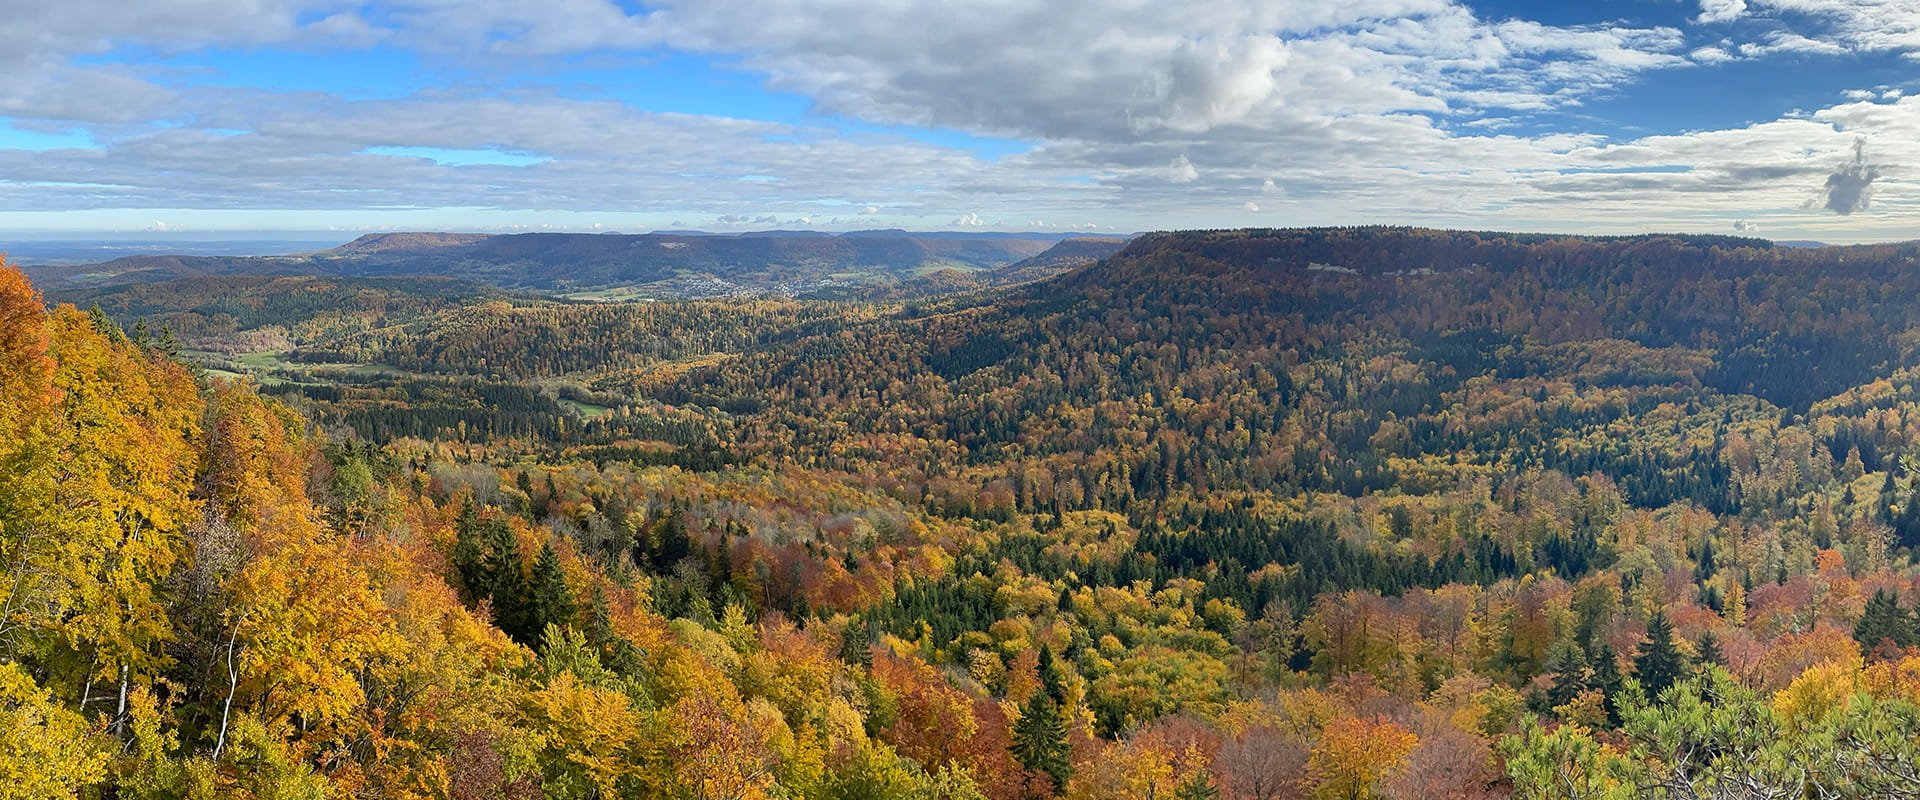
pixel 120 713
pixel 233 685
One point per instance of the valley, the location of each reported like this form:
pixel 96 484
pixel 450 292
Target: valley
pixel 1501 499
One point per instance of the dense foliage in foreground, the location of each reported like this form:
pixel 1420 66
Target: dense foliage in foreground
pixel 1344 514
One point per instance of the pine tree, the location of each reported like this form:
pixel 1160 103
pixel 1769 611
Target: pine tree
pixel 1884 624
pixel 1658 664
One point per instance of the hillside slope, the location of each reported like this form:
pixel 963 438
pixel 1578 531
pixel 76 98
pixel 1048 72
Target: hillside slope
pixel 1357 512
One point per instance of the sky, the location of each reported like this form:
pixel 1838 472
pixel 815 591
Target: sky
pixel 1786 119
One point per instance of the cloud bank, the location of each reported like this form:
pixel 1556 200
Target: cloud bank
pixel 1132 115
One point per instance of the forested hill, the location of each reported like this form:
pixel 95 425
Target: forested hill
pixel 669 265
pixel 1354 513
pixel 1831 316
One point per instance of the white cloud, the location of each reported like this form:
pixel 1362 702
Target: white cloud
pixel 1863 25
pixel 1789 42
pixel 1721 10
pixel 1710 55
pixel 1251 206
pixel 1180 170
pixel 969 221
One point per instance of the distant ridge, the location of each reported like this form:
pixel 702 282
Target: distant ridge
pixel 664 265
pixel 1067 254
pixel 403 242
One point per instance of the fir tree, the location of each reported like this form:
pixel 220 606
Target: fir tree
pixel 1658 664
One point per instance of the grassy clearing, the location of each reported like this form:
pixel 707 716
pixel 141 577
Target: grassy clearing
pixel 585 410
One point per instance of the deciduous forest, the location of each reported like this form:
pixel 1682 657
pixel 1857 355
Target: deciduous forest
pixel 1259 514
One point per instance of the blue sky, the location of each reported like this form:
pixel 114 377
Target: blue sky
pixel 1783 118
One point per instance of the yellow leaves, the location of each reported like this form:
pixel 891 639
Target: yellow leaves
pixel 1150 765
pixel 98 482
pixel 718 756
pixel 305 615
pixel 46 751
pixel 588 728
pixel 843 727
pixel 1353 753
pixel 309 623
pixel 697 664
pixel 1817 691
pixel 1829 686
pixel 1894 679
pixel 253 460
pixel 26 371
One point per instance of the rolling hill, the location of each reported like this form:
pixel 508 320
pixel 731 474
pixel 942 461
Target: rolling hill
pixel 667 265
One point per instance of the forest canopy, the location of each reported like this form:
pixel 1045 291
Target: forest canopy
pixel 1334 513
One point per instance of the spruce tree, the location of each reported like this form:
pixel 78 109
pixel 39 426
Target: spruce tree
pixel 1707 652
pixel 856 643
pixel 469 552
pixel 1606 678
pixel 1658 664
pixel 549 601
pixel 1570 668
pixel 674 543
pixel 1198 786
pixel 616 652
pixel 1707 565
pixel 503 580
pixel 1885 624
pixel 1050 681
pixel 1040 739
pixel 720 565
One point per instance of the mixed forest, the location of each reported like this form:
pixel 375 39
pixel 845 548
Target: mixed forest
pixel 1251 515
